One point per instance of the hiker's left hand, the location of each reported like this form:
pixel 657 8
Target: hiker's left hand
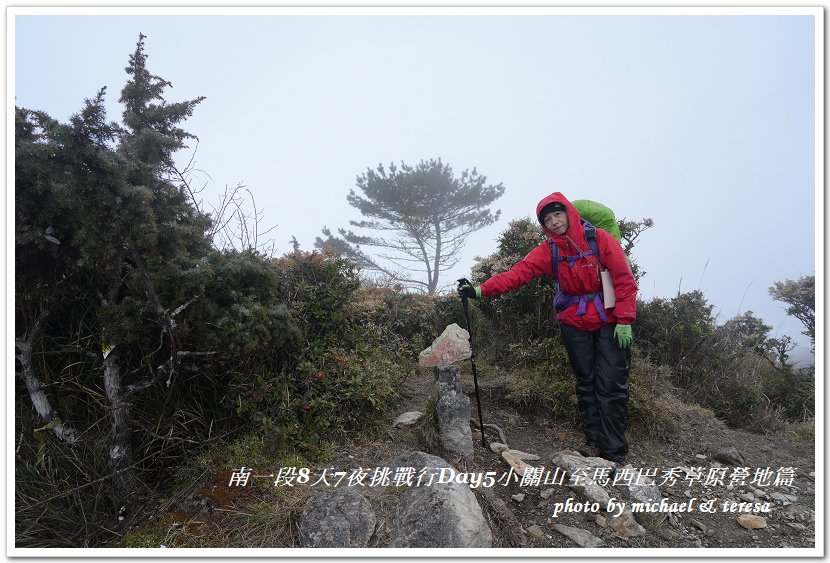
pixel 623 335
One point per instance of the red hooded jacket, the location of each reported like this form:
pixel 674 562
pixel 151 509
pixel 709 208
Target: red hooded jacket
pixel 580 279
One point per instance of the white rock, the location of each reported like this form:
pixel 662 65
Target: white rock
pixel 498 447
pixel 407 419
pixel 451 347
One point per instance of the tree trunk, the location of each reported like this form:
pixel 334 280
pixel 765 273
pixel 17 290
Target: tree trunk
pixel 433 279
pixel 40 401
pixel 120 449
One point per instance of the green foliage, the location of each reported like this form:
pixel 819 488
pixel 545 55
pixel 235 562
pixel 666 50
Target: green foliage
pixel 334 381
pixel 800 297
pixel 670 330
pixel 541 378
pixel 152 135
pixel 431 213
pixel 735 369
pixel 347 390
pixel 402 323
pixel 111 254
pixel 321 287
pixel 630 231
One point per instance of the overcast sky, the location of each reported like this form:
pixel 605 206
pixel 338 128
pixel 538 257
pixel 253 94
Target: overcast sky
pixel 704 123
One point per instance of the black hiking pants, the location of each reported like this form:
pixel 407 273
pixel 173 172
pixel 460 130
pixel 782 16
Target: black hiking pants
pixel 601 369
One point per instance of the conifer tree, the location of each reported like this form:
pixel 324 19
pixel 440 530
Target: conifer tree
pixel 131 249
pixel 427 213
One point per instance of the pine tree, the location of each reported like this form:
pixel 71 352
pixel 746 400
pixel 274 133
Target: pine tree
pixel 429 213
pixel 131 249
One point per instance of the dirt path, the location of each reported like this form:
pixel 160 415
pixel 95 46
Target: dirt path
pixel 790 521
pixel 528 519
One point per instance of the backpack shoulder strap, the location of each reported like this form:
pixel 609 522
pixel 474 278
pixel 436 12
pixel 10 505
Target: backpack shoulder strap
pixel 554 261
pixel 591 237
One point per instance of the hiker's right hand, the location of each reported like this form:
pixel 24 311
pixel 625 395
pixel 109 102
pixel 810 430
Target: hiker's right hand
pixel 466 289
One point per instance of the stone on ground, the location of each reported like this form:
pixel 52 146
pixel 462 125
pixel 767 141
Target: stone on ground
pixel 524 456
pixel 440 515
pixel 519 466
pixel 536 532
pixel 498 447
pixel 583 538
pixel 585 467
pixel 407 419
pixel 452 346
pixel 625 525
pixel 751 522
pixel 730 456
pixel 337 518
pixel 644 490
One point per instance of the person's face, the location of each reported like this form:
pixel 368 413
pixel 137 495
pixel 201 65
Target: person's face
pixel 557 222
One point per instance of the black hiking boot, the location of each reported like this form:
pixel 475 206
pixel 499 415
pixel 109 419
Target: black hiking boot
pixel 589 450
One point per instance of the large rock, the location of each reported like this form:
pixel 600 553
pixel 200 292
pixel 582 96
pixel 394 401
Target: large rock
pixel 452 346
pixel 438 515
pixel 585 468
pixel 337 518
pixel 644 490
pixel 453 408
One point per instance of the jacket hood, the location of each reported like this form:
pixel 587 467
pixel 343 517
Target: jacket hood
pixel 575 231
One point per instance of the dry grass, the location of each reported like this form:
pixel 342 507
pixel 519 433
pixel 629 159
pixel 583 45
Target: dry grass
pixel 426 429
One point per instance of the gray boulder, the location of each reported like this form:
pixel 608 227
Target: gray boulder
pixel 453 408
pixel 730 456
pixel 644 490
pixel 585 467
pixel 337 518
pixel 438 515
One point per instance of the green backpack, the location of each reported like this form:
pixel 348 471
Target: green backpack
pixel 599 216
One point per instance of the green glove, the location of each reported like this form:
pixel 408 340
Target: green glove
pixel 465 288
pixel 623 335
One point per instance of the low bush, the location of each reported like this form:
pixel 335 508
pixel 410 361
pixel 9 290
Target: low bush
pixel 339 380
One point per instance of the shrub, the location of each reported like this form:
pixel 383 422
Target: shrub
pixel 402 323
pixel 733 369
pixel 338 381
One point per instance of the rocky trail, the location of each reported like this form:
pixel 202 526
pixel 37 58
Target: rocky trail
pixel 709 487
pixel 740 479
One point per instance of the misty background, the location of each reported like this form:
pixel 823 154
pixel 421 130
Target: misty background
pixel 704 123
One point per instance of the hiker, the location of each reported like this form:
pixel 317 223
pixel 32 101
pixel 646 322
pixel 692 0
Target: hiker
pixel 598 340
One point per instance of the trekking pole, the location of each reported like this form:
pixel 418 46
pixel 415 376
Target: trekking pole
pixel 473 362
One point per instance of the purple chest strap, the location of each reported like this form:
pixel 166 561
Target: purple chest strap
pixel 564 300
